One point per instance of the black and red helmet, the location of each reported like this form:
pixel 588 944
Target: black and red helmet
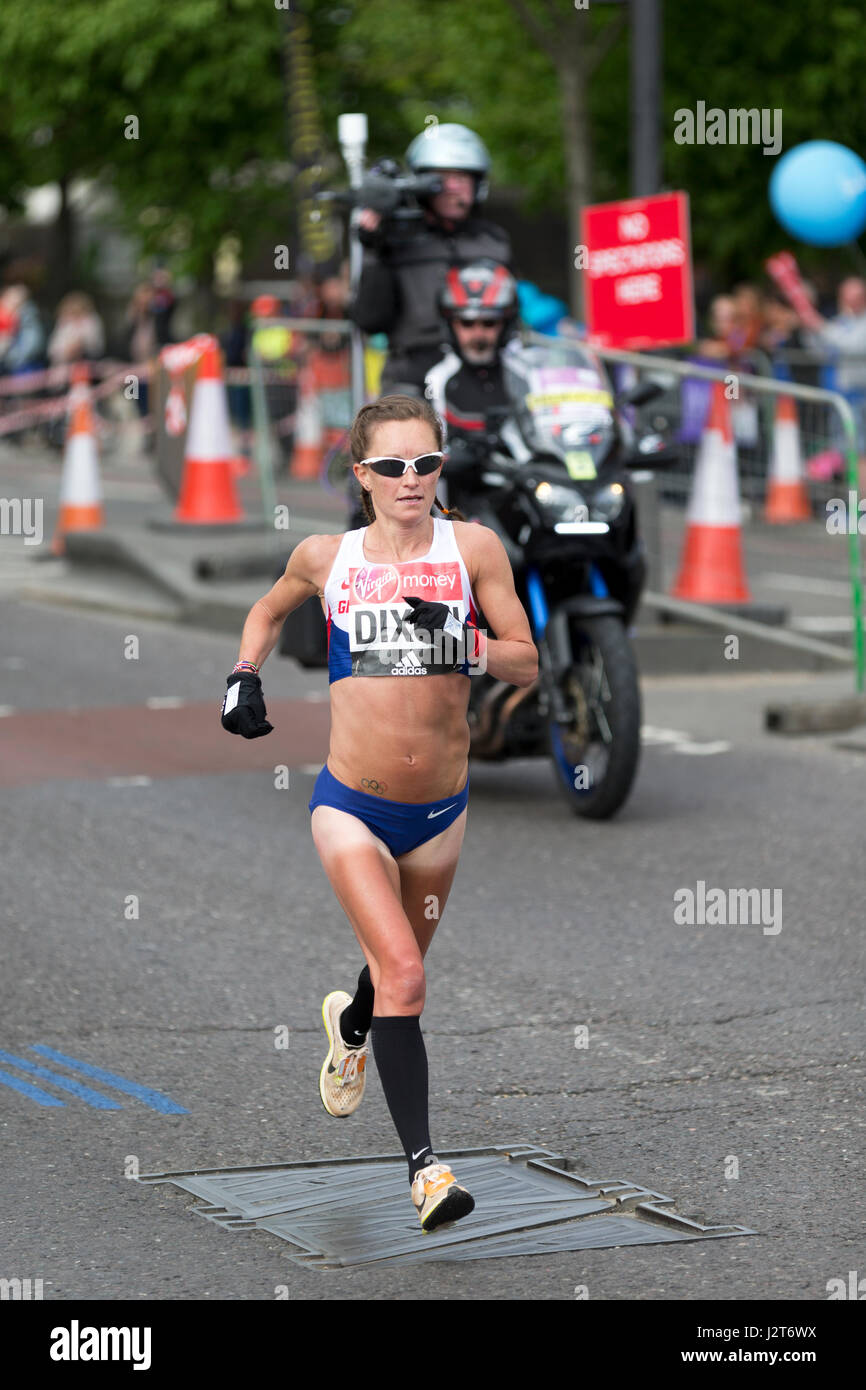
pixel 482 290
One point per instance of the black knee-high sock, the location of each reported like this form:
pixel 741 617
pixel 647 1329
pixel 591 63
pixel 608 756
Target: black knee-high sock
pixel 401 1060
pixel 355 1018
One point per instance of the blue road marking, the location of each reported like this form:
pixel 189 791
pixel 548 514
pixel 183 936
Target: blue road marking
pixel 92 1098
pixel 154 1099
pixel 41 1097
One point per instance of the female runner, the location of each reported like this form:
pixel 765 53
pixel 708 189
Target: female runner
pixel 389 806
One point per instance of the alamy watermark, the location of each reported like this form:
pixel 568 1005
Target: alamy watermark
pixel 77 1343
pixel 736 126
pixel 20 1290
pixel 846 518
pixel 729 907
pixel 22 516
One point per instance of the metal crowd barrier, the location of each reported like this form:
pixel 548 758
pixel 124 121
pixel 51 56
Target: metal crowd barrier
pixel 831 443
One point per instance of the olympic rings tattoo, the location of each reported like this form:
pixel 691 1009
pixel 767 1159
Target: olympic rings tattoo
pixel 371 785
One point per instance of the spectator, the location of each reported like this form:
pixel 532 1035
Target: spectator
pixel 141 339
pixel 78 332
pixel 234 344
pixel 748 317
pixel 304 299
pixel 162 304
pixel 25 336
pixel 781 338
pixel 846 333
pixel 277 349
pixel 733 324
pixel 723 330
pixel 334 293
pixel 8 325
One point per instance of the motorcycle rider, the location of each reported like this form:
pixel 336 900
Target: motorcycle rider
pixel 479 303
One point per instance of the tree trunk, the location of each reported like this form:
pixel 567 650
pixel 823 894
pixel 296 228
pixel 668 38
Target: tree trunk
pixel 577 142
pixel 64 233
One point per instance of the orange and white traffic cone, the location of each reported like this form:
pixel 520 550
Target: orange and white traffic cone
pixel 308 451
pixel 787 495
pixel 207 490
pixel 81 506
pixel 79 385
pixel 711 565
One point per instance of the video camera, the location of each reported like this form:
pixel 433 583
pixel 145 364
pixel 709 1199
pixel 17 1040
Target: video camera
pixel 388 191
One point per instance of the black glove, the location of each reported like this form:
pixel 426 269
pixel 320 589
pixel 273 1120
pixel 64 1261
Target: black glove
pixel 373 239
pixel 243 710
pixel 437 621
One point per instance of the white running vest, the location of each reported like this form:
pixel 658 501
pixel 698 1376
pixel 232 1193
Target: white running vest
pixel 365 611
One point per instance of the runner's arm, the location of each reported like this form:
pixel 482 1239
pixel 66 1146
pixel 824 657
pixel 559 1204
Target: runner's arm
pixel 512 656
pixel 266 617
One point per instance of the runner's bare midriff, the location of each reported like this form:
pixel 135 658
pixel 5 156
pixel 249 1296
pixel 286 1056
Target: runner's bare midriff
pixel 410 737
pixel 407 737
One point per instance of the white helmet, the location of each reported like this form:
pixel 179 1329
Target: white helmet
pixel 451 147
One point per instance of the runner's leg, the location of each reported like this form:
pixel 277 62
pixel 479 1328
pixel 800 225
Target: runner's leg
pixel 367 882
pixel 426 875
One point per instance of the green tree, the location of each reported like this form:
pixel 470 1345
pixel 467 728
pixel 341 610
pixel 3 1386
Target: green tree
pixel 201 78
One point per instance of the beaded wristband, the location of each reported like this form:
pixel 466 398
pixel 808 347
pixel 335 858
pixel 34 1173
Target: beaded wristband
pixel 245 666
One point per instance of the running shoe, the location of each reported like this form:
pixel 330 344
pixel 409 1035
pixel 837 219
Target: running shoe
pixel 343 1075
pixel 437 1197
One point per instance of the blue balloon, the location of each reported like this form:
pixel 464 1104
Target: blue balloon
pixel 539 311
pixel 818 193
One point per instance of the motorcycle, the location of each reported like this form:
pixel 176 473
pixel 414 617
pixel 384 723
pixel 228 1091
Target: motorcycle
pixel 552 482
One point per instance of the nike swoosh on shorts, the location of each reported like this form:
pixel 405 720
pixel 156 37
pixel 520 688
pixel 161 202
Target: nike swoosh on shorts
pixel 431 814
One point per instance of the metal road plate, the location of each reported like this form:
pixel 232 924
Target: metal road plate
pixel 357 1211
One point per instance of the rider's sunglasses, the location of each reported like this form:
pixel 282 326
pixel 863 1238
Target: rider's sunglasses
pixel 479 323
pixel 391 467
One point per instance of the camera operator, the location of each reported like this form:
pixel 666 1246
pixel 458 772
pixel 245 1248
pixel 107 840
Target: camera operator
pixel 406 258
pixel 479 305
pixel 409 251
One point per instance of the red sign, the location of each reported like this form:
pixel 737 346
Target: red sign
pixel 638 272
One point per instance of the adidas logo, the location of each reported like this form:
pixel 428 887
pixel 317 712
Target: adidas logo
pixel 409 665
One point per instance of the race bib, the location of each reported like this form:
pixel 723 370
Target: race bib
pixel 382 638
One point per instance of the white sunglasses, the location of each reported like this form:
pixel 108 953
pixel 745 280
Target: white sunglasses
pixel 389 466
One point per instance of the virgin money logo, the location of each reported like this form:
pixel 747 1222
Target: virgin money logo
pixel 376 583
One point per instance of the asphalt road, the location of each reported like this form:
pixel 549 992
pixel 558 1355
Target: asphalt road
pixel 705 1043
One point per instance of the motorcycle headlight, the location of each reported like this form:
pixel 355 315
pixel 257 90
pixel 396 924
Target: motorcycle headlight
pixel 561 503
pixel 608 502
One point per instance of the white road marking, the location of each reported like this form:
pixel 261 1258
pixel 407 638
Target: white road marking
pixel 720 746
pixel 129 782
pixel 165 702
pixel 830 588
pixel 680 742
pixel 838 623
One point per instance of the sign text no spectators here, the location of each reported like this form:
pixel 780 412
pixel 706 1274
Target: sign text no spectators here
pixel 639 288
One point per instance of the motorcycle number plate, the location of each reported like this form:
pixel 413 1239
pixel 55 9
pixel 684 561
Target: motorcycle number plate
pixel 579 464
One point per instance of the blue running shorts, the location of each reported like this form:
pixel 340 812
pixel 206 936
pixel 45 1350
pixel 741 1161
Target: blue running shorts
pixel 403 825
